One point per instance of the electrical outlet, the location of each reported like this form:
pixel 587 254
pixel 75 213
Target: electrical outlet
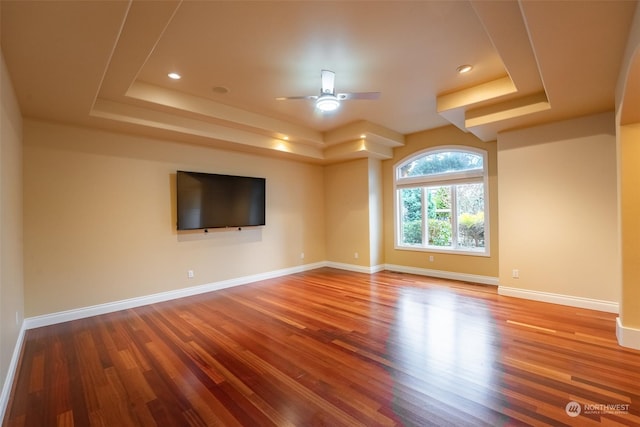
pixel 190 274
pixel 355 255
pixel 515 273
pixel 431 258
pixel 301 255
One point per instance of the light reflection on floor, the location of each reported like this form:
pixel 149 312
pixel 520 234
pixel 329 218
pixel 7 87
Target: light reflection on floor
pixel 443 346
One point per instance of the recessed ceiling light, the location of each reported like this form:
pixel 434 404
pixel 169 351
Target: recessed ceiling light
pixel 174 76
pixel 464 69
pixel 363 136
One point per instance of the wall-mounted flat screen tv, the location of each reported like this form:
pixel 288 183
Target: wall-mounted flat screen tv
pixel 208 200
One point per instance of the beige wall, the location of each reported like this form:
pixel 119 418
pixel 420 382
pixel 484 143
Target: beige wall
pixel 465 264
pixel 11 259
pixel 376 207
pixel 558 208
pixel 347 212
pixel 628 132
pixel 99 223
pixel 629 147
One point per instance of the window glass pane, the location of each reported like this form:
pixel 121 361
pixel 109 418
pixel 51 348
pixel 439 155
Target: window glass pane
pixel 439 214
pixel 470 207
pixel 442 162
pixel 411 216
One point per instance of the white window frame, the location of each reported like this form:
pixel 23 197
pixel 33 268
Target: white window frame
pixel 439 180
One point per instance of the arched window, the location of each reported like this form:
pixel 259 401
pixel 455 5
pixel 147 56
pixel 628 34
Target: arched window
pixel 441 199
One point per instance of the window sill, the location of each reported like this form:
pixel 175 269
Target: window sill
pixel 438 250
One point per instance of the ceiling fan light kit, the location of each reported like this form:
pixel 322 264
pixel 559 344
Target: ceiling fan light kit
pixel 327 102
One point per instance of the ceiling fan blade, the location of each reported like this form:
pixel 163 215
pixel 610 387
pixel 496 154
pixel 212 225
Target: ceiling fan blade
pixel 328 81
pixel 358 95
pixel 285 98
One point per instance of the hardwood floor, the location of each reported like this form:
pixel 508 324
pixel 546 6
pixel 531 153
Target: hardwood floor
pixel 331 348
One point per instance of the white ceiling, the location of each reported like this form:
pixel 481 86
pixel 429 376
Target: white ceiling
pixel 105 64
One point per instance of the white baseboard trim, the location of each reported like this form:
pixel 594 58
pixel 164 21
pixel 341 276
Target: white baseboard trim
pixel 627 337
pixel 83 312
pixel 572 301
pixel 356 268
pixel 11 372
pixel 95 310
pixel 473 278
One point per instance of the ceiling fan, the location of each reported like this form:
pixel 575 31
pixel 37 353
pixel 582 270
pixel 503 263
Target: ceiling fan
pixel 329 100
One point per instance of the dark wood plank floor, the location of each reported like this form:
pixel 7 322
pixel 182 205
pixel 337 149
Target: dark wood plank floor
pixel 332 348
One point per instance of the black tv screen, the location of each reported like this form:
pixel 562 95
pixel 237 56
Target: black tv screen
pixel 208 200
